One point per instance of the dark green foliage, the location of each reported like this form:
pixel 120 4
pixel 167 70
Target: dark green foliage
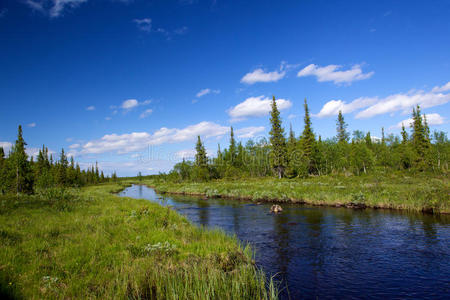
pixel 308 146
pixel 278 154
pixel 20 174
pixel 341 128
pixel 307 156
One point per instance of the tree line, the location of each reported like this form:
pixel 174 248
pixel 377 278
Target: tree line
pixel 310 155
pixel 22 174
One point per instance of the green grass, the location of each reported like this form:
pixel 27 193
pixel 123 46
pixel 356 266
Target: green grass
pixel 92 244
pixel 396 191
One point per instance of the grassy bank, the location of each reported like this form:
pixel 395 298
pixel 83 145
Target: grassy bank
pixel 92 244
pixel 394 191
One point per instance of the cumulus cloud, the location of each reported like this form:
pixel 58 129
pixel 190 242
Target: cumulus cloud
pixel 259 75
pixel 53 8
pixel 368 107
pixel 332 107
pixel 144 24
pixel 432 119
pixel 145 113
pixel 132 103
pixel 32 125
pixel 332 73
pixel 256 107
pixel 90 108
pixel 440 89
pixel 404 103
pixel 136 141
pixel 249 132
pixel 6 147
pixel 74 146
pixel 205 92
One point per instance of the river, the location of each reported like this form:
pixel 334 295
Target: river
pixel 327 252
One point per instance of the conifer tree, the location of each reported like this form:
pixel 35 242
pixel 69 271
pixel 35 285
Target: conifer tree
pixel 308 143
pixel 62 168
pixel 2 171
pixel 200 157
pixel 404 135
pixel 20 169
pixel 341 127
pixel 232 149
pixel 292 153
pixel 278 142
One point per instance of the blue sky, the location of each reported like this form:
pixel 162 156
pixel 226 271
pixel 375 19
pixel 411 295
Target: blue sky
pixel 130 84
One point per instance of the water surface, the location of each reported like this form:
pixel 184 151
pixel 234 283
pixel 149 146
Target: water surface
pixel 321 252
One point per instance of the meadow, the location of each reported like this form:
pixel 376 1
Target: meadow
pixel 89 243
pixel 395 190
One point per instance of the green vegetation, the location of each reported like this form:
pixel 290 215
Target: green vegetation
pixel 395 190
pixel 308 156
pixel 407 172
pixel 20 174
pixel 68 243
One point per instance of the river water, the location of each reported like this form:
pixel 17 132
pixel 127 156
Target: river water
pixel 325 252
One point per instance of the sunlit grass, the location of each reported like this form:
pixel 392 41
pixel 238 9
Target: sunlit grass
pixel 92 244
pixel 420 192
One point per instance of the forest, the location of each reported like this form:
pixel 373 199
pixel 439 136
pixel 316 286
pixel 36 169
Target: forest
pixel 416 151
pixel 21 174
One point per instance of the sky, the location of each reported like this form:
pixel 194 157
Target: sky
pixel 132 83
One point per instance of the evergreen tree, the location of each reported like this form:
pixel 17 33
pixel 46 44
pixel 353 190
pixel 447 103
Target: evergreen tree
pixel 278 142
pixel 2 172
pixel 341 127
pixel 308 143
pixel 292 152
pixel 404 135
pixel 232 151
pixel 20 170
pixel 62 168
pixel 200 157
pixel 420 142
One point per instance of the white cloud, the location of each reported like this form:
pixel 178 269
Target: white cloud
pixel 256 107
pixel 136 141
pixel 32 125
pixel 190 154
pixel 145 113
pixel 444 88
pixel 74 146
pixel 186 154
pixel 373 106
pixel 131 103
pixel 53 8
pixel 259 75
pixel 6 147
pixel 249 132
pixel 331 73
pixel 404 103
pixel 432 119
pixel 144 24
pixel 90 108
pixel 206 92
pixel 332 107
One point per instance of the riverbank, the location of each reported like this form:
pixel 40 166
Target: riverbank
pixel 93 244
pixel 394 191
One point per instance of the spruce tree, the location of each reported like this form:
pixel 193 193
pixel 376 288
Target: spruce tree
pixel 62 168
pixel 308 143
pixel 20 169
pixel 278 142
pixel 232 149
pixel 200 157
pixel 292 153
pixel 341 127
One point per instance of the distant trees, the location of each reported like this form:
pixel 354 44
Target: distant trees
pixel 307 155
pixel 21 174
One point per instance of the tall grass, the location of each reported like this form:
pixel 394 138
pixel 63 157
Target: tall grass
pixel 92 244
